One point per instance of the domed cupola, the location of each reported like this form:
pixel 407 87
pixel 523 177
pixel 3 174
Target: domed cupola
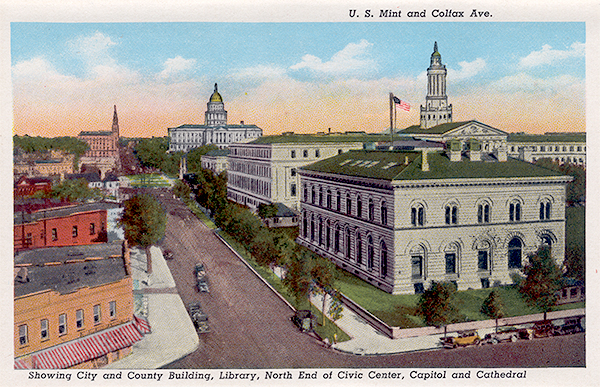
pixel 215 115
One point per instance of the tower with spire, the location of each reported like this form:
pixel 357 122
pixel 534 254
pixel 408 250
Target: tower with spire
pixel 115 124
pixel 436 110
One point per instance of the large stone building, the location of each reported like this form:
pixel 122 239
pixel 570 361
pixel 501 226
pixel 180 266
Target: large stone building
pixel 103 151
pixel 436 124
pixel 73 307
pixel 401 219
pixel 214 131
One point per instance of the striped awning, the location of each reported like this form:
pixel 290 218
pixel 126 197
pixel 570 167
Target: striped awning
pixel 142 324
pixel 88 347
pixel 20 364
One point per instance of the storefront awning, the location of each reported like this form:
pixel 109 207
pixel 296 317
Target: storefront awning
pixel 86 348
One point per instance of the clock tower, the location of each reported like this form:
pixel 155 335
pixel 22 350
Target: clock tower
pixel 436 110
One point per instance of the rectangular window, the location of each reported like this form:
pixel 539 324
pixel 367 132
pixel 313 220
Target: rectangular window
pixel 450 263
pixel 44 329
pixel 293 189
pixel 305 153
pixel 573 293
pixel 97 315
pixel 112 309
pixel 417 267
pixel 54 234
pixel 23 338
pixel 75 232
pixel 482 260
pixel 293 154
pixel 317 153
pixel 92 228
pixel 79 318
pixel 62 324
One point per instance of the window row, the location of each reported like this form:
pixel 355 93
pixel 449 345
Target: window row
pixel 345 204
pixel 305 153
pixel 346 242
pixel 62 328
pixel 74 231
pixel 484 211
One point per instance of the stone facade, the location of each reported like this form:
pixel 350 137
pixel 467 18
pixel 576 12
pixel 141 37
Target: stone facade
pixel 400 220
pixel 103 151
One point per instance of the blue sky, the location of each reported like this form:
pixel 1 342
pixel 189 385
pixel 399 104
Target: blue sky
pixel 293 76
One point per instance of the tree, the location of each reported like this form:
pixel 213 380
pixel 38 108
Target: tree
pixel 72 190
pixel 493 307
pixel 266 211
pixel 144 222
pixel 182 190
pixel 323 275
pixel 436 306
pixel 542 281
pixel 297 278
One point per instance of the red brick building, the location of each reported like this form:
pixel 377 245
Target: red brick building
pixel 72 225
pixel 27 186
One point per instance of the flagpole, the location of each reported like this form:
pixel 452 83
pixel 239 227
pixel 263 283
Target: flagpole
pixel 391 118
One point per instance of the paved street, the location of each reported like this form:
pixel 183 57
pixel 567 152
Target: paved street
pixel 250 326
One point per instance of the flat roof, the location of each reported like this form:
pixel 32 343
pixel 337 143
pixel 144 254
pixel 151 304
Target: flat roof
pixel 547 137
pixel 315 138
pixel 21 217
pixel 66 269
pixel 406 165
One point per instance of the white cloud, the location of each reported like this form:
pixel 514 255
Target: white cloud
pixel 526 83
pixel 260 72
pixel 467 70
pixel 176 66
pixel 351 59
pixel 547 55
pixel 36 69
pixel 94 49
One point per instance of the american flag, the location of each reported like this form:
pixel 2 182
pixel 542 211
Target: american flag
pixel 402 104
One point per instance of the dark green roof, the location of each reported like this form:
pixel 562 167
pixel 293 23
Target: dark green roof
pixel 438 129
pixel 548 137
pixel 97 133
pixel 406 165
pixel 217 152
pixel 315 138
pixel 198 126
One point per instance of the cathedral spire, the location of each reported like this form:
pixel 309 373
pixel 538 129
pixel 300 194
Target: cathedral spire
pixel 115 124
pixel 435 47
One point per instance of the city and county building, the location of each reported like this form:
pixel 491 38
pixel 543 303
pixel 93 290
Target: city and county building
pixel 436 124
pixel 103 151
pixel 215 130
pixel 215 160
pixel 71 224
pixel 73 307
pixel 264 171
pixel 401 219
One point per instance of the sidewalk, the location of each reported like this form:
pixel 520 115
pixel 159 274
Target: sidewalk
pixel 173 335
pixel 366 340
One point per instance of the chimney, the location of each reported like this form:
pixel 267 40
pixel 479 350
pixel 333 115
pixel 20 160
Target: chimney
pixel 474 150
pixel 241 122
pixel 424 162
pixel 454 150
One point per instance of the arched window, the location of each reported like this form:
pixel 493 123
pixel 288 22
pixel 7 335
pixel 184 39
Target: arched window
pixel 514 211
pixel 312 227
pixel 545 208
pixel 320 231
pixel 384 218
pixel 313 195
pixel 336 239
pixel 451 214
pixel 348 243
pixel 384 259
pixel 483 213
pixel 359 207
pixel 546 241
pixel 328 198
pixel 417 215
pixel 451 257
pixel 514 253
pixel 339 201
pixel 348 204
pixel 321 196
pixel 483 256
pixel 370 252
pixel 305 193
pixel 358 249
pixel 371 210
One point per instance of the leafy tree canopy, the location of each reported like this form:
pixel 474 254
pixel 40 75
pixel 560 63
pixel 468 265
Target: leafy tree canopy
pixel 72 190
pixel 576 188
pixel 266 211
pixel 143 220
pixel 492 306
pixel 542 280
pixel 435 305
pixel 43 144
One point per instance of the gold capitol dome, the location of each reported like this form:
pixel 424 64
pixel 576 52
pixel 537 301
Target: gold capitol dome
pixel 216 97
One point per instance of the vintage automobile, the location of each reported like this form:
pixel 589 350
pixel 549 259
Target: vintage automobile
pixel 543 328
pixel 201 278
pixel 504 334
pixel 568 326
pixel 168 254
pixel 464 338
pixel 304 319
pixel 199 318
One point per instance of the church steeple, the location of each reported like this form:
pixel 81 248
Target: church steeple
pixel 436 110
pixel 115 124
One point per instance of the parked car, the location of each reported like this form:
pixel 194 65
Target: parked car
pixel 504 334
pixel 304 319
pixel 199 318
pixel 167 254
pixel 543 328
pixel 464 338
pixel 201 278
pixel 569 326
